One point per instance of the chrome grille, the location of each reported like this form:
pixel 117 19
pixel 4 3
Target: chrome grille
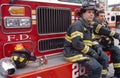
pixel 51 44
pixel 53 20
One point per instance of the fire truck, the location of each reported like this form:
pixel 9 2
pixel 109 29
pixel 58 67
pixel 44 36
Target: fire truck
pixel 40 26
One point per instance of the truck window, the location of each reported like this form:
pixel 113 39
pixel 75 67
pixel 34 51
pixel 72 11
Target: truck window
pixel 112 18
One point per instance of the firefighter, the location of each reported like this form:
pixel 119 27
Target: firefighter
pixel 108 44
pixel 78 45
pixel 100 6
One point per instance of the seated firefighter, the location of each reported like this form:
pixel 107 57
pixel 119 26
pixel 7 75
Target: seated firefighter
pixel 108 44
pixel 79 42
pixel 80 46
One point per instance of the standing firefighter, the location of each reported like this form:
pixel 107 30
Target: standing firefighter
pixel 108 44
pixel 78 45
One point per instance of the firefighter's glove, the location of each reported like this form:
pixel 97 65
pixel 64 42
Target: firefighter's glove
pixel 107 41
pixel 98 49
pixel 117 36
pixel 93 54
pixel 118 39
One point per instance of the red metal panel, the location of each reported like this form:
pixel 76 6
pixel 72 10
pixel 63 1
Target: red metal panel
pixel 60 71
pixel 32 35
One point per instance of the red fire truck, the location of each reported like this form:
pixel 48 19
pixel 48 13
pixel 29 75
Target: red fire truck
pixel 39 25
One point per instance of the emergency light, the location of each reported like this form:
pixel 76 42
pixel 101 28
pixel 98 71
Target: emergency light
pixel 15 10
pixel 19 47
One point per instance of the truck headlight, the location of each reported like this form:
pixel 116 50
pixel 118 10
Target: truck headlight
pixel 17 22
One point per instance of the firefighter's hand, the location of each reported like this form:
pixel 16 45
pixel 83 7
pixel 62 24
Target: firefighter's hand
pixel 93 54
pixel 118 37
pixel 119 42
pixel 98 49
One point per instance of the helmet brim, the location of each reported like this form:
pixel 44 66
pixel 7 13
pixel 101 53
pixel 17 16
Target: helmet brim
pixel 82 10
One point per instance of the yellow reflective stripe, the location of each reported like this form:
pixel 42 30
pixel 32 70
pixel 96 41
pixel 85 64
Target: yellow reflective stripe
pixel 27 62
pixel 85 29
pixel 95 42
pixel 85 50
pixel 88 42
pixel 97 36
pixel 15 58
pixel 116 65
pixel 112 33
pixel 76 33
pixel 76 58
pixel 98 28
pixel 103 24
pixel 93 36
pixel 21 59
pixel 104 72
pixel 68 38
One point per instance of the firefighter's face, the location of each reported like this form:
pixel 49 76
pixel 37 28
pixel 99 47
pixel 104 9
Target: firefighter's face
pixel 89 15
pixel 101 17
pixel 101 7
